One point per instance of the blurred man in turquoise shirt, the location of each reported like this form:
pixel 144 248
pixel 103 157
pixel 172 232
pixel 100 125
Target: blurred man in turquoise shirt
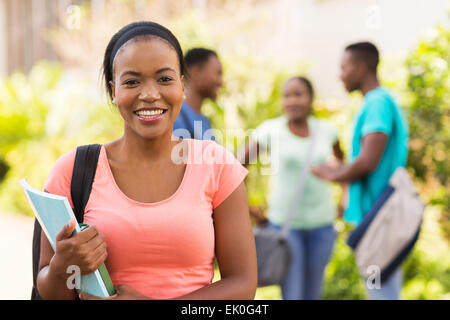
pixel 379 145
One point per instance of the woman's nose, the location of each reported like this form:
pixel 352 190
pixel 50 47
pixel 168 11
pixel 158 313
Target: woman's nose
pixel 149 93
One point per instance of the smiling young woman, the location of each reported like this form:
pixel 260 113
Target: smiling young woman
pixel 148 96
pixel 311 235
pixel 158 223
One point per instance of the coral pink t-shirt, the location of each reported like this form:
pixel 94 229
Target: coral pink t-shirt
pixel 163 249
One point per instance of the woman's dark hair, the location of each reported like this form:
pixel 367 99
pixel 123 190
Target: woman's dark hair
pixel 135 30
pixel 307 84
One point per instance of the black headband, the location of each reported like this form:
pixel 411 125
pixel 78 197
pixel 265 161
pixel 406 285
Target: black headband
pixel 139 31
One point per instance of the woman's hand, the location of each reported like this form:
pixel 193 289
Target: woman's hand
pixel 123 292
pixel 325 172
pixel 87 250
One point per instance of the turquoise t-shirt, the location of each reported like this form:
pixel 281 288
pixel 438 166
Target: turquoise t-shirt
pixel 379 113
pixel 287 153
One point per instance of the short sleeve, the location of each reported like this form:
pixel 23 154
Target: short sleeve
pixel 228 174
pixel 262 134
pixel 378 117
pixel 60 176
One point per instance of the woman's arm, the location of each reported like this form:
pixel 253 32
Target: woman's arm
pixel 245 156
pixel 250 151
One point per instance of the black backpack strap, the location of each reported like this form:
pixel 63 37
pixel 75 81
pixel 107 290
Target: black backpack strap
pixel 83 175
pixel 36 254
pixel 84 168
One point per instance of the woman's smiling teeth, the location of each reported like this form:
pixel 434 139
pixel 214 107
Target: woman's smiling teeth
pixel 147 113
pixel 150 116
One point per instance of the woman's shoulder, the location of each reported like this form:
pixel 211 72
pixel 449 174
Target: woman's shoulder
pixel 60 175
pixel 325 127
pixel 323 123
pixel 274 122
pixel 217 165
pixel 65 162
pixel 269 127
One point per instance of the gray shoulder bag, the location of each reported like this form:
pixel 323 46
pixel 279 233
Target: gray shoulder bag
pixel 272 247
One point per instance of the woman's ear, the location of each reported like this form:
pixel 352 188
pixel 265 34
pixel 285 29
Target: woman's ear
pixel 113 91
pixel 182 86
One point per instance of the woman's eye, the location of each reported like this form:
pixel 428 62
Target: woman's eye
pixel 165 79
pixel 130 82
pixel 295 94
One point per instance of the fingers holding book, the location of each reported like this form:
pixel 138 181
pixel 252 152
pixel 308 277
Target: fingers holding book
pixel 86 249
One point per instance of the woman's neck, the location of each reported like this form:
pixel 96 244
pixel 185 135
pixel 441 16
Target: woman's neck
pixel 299 122
pixel 299 126
pixel 135 149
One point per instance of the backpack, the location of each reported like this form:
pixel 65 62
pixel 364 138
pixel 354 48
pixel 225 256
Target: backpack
pixel 84 168
pixel 388 232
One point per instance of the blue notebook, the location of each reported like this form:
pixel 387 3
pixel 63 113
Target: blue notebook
pixel 53 212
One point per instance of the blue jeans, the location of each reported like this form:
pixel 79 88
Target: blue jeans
pixel 311 251
pixel 389 290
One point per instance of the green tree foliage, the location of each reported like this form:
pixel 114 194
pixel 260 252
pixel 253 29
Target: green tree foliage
pixel 44 115
pixel 24 105
pixel 428 88
pixel 342 280
pixel 23 108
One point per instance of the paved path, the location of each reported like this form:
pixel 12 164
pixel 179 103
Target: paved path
pixel 15 257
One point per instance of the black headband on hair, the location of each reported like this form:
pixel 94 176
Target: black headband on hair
pixel 139 31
